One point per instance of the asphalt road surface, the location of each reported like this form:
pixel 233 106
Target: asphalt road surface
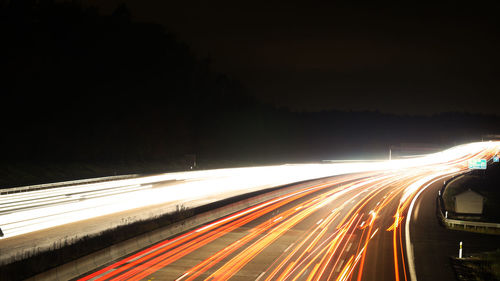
pixel 434 244
pixel 350 227
pixel 345 229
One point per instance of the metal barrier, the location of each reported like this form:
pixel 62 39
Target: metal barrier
pixel 461 224
pixel 472 224
pixel 61 184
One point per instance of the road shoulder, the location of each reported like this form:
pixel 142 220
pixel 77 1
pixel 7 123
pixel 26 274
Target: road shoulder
pixel 433 245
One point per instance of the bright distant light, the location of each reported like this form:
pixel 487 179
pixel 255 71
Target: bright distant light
pixel 194 188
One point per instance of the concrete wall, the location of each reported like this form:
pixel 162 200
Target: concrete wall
pixel 90 262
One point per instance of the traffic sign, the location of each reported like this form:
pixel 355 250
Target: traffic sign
pixel 477 164
pixel 495 158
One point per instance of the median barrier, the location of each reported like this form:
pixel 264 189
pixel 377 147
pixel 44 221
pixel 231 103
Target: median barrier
pixel 11 190
pixel 80 266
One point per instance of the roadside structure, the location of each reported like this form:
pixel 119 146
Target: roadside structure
pixel 469 202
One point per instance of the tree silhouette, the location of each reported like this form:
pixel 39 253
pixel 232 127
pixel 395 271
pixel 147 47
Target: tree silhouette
pixel 82 87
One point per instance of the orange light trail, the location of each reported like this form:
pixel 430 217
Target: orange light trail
pixel 339 220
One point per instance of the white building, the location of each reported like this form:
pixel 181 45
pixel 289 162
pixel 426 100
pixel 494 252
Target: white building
pixel 469 202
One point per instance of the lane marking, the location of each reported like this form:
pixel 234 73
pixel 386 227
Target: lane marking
pixel 348 247
pixel 339 266
pixel 409 245
pixel 182 276
pixel 260 276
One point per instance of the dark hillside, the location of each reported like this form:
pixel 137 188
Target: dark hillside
pixel 90 95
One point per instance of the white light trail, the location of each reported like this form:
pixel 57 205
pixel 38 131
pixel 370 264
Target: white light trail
pixel 26 212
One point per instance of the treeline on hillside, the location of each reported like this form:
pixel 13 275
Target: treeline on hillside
pixel 82 87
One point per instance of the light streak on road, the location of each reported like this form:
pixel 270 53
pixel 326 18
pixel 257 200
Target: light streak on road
pixel 339 220
pixel 22 213
pixel 335 224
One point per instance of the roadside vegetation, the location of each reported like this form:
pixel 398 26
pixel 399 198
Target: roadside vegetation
pixel 487 183
pixel 102 95
pixel 29 263
pixel 479 267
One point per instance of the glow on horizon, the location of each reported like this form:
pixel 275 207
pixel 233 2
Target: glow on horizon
pixel 194 188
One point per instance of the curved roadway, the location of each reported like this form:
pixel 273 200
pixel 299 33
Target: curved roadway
pixel 349 228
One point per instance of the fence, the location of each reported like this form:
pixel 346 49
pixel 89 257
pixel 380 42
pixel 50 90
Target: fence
pixel 476 226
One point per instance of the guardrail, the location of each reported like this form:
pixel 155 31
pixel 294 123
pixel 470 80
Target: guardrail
pixel 476 226
pixel 61 184
pixel 75 268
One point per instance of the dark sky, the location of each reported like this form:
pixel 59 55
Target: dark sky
pixel 420 57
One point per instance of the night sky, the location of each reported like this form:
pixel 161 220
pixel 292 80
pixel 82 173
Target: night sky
pixel 422 57
pixel 103 87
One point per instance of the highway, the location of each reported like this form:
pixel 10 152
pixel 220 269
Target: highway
pixel 350 228
pixel 26 212
pixel 434 244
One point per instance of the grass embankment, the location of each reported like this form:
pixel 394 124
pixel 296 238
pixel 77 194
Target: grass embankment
pixel 487 183
pixel 480 267
pixel 21 174
pixel 30 263
pixel 33 263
